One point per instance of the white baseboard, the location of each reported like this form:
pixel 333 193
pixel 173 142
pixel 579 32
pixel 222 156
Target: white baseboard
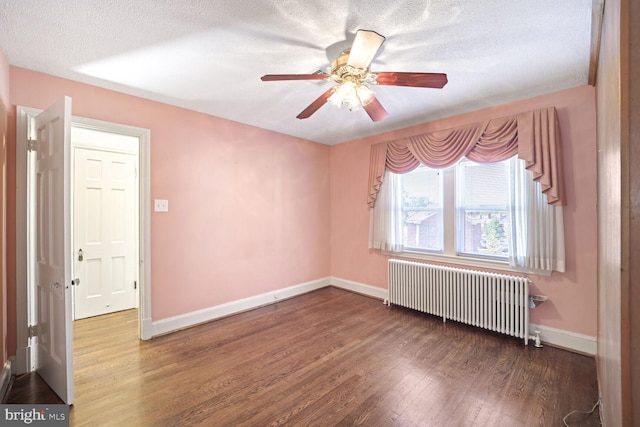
pixel 172 324
pixel 360 288
pixel 572 341
pixel 146 331
pixel 5 378
pixel 579 343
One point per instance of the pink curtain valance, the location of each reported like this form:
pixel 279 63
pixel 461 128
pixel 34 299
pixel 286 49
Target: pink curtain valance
pixel 534 136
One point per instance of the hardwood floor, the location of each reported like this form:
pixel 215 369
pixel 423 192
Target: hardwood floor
pixel 329 357
pixel 30 389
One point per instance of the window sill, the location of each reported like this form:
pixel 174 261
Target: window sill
pixel 465 262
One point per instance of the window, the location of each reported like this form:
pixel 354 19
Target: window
pixel 470 214
pixel 482 215
pixel 422 226
pixel 474 198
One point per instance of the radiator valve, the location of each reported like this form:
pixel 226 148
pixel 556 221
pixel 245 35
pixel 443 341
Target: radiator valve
pixel 536 339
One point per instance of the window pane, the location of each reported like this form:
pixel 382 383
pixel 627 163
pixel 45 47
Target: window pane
pixel 485 233
pixel 485 184
pixel 483 223
pixel 422 209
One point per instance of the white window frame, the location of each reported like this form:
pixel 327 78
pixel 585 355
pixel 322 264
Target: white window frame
pixel 450 254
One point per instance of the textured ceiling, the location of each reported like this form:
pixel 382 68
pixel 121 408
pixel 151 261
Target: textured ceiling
pixel 209 55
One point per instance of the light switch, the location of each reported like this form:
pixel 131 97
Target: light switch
pixel 161 205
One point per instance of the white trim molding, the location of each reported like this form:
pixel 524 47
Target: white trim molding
pixel 360 288
pixel 172 324
pixel 23 362
pixel 572 341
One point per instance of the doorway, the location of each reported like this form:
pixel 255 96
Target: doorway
pixel 25 358
pixel 104 221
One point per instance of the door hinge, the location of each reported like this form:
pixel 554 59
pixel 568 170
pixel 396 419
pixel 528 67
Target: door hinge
pixel 32 144
pixel 33 331
pixel 135 284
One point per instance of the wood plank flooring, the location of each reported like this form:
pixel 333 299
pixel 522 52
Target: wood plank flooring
pixel 326 358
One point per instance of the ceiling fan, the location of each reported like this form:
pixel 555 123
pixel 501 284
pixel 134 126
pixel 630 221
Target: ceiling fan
pixel 350 70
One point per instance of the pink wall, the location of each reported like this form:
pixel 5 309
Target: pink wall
pixel 248 207
pixel 572 295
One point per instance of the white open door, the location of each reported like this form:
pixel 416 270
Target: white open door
pixel 53 249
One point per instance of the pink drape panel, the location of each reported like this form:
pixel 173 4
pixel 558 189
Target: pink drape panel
pixel 542 151
pixel 534 136
pixel 376 171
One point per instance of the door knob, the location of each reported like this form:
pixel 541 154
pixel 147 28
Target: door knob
pixel 80 255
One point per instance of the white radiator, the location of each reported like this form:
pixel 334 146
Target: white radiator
pixel 492 301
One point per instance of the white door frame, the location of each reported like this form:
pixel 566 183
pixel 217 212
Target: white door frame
pixel 23 116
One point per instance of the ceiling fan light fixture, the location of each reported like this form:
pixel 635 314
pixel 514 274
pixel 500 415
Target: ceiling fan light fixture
pixel 365 94
pixel 345 94
pixel 352 95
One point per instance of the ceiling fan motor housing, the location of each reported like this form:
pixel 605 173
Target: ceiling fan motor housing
pixel 341 72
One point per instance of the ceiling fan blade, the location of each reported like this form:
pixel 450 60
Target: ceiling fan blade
pixel 364 48
pixel 276 77
pixel 315 105
pixel 375 110
pixel 432 80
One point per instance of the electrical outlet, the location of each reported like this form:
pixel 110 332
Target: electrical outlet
pixel 161 205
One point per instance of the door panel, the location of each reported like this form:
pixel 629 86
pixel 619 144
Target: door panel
pixel 53 249
pixel 105 214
